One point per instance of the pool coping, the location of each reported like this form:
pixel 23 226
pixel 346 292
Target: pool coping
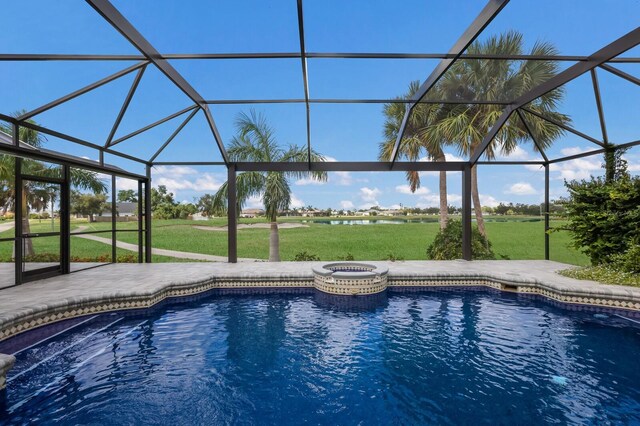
pixel 512 276
pixel 138 286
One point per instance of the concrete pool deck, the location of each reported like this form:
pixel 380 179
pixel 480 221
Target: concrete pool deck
pixel 135 286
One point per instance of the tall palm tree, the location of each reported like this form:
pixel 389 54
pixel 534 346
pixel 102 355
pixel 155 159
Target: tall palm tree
pixel 37 195
pixel 256 141
pixel 416 143
pixel 465 125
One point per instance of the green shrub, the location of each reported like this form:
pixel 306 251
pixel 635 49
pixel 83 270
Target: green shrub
pixel 604 215
pixel 393 257
pixel 628 261
pixel 304 256
pixel 347 257
pixel 448 244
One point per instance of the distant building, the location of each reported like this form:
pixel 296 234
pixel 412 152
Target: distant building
pixel 311 213
pixel 124 209
pixel 198 216
pixel 249 213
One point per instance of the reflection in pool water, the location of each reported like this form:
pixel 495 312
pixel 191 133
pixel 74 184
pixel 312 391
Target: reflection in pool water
pixel 435 357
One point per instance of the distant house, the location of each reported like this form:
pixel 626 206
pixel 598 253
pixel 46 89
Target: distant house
pixel 198 216
pixel 393 213
pixel 249 213
pixel 124 209
pixel 311 213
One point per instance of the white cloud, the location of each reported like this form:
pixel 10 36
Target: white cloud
pixel 580 168
pixel 254 202
pixel 126 184
pixel 448 156
pixel 370 195
pixel 517 154
pixel 336 178
pixel 308 181
pixel 178 178
pixel 296 202
pixel 346 204
pixel 343 178
pixel 406 189
pixel 521 188
pixel 433 200
pixel 573 150
pixel 174 170
pixel 488 200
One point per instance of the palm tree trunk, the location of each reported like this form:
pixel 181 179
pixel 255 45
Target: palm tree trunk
pixel 27 249
pixel 444 205
pixel 274 243
pixel 475 195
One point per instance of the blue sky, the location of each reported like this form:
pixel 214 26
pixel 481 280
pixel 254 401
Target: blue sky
pixel 341 132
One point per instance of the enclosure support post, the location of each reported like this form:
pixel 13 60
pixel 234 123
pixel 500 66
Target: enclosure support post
pixel 232 216
pixel 546 211
pixel 140 223
pixel 17 245
pixel 114 254
pixel 65 219
pixel 147 216
pixel 466 213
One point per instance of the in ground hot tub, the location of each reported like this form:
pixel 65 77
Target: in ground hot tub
pixel 350 278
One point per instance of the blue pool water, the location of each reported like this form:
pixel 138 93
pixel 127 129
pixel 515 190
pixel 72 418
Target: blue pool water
pixel 438 357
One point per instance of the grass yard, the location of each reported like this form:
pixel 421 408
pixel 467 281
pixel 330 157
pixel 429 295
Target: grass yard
pixel 80 247
pixel 512 238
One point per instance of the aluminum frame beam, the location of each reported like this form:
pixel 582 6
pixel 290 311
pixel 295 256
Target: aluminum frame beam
pixel 174 134
pixel 79 142
pixel 490 11
pixel 125 105
pixel 296 55
pixel 120 23
pixel 154 124
pixel 596 92
pixel 528 129
pixel 350 166
pixel 563 126
pixel 305 78
pixel 620 73
pixel 82 91
pixel 617 47
pixel 347 101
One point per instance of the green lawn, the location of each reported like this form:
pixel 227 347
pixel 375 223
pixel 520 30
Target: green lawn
pixel 513 238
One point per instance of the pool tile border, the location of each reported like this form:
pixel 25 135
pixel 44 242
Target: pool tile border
pixel 56 311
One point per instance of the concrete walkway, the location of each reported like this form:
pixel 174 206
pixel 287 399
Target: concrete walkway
pixel 284 225
pixel 162 252
pixel 6 226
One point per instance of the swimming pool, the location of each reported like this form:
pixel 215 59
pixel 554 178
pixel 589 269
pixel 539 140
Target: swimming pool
pixel 440 356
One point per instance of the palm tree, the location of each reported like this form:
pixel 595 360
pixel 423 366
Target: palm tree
pixel 416 143
pixel 256 141
pixel 37 195
pixel 464 125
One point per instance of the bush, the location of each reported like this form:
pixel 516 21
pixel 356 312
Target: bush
pixel 448 244
pixel 628 261
pixel 603 217
pixel 304 256
pixel 392 257
pixel 347 257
